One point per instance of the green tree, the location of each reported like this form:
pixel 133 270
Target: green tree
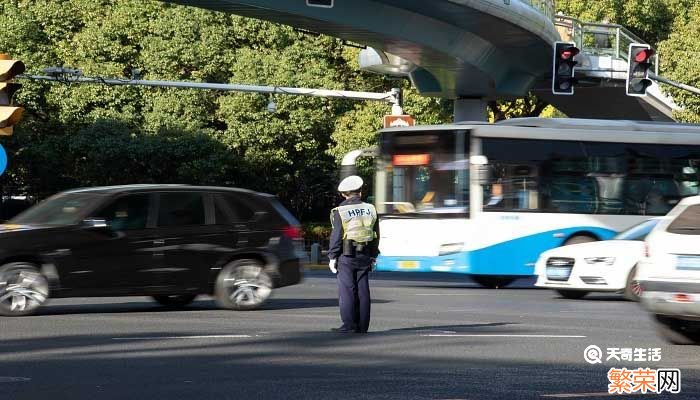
pixel 679 61
pixel 75 135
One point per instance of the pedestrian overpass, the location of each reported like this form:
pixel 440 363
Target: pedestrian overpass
pixel 468 50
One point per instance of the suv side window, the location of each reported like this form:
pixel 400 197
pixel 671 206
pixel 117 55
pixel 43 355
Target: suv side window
pixel 181 209
pixel 126 213
pixel 229 208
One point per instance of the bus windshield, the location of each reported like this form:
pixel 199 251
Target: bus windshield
pixel 423 172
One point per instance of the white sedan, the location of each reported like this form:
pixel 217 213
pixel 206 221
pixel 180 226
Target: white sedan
pixel 669 275
pixel 605 266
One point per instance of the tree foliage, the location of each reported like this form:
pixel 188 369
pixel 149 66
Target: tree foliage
pixel 78 135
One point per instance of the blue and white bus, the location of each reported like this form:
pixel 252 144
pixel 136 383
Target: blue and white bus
pixel 534 184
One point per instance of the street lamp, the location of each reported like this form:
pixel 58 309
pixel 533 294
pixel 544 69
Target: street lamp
pixel 272 106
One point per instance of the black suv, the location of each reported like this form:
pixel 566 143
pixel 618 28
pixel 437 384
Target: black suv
pixel 171 242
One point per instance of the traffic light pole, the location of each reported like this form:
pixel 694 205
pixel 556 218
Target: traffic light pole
pixel 678 85
pixel 393 97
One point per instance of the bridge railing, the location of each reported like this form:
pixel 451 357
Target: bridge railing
pixel 546 7
pixel 599 39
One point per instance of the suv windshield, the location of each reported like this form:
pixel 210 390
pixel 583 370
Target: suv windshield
pixel 60 209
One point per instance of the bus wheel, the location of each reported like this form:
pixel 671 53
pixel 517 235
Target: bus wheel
pixel 572 294
pixel 492 282
pixel 576 239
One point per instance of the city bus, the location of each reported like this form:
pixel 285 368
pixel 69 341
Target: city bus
pixel 486 199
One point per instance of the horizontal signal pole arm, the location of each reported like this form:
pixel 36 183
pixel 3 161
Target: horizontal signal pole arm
pixel 678 85
pixel 389 97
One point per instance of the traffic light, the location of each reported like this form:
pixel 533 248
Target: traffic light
pixel 563 73
pixel 639 59
pixel 9 116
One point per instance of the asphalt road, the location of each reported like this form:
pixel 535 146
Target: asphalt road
pixel 432 337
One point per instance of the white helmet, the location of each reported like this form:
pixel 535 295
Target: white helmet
pixel 352 183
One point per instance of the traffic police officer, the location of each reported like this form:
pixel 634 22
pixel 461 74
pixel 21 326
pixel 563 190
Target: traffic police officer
pixel 353 248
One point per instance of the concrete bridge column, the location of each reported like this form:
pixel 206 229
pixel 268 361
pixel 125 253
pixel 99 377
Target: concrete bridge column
pixel 470 110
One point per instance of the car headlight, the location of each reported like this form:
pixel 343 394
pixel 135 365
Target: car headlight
pixel 600 260
pixel 451 248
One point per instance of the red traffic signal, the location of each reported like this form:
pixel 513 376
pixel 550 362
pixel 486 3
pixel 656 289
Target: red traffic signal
pixel 639 59
pixel 563 68
pixel 569 53
pixel 644 55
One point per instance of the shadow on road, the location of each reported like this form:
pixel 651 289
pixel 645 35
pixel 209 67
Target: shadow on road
pixel 298 365
pixel 618 298
pixel 465 328
pixel 199 305
pixel 289 304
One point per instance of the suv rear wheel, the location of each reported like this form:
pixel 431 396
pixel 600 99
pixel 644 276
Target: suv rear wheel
pixel 243 285
pixel 23 289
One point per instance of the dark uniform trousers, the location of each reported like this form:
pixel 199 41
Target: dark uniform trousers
pixel 353 291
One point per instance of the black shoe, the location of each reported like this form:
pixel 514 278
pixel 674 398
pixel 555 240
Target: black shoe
pixel 343 329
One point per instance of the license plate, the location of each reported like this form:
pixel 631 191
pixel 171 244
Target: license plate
pixel 558 273
pixel 688 263
pixel 409 264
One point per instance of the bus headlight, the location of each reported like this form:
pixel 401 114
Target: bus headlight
pixel 600 260
pixel 451 248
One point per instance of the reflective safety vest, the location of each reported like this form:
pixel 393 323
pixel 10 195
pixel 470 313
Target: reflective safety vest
pixel 358 221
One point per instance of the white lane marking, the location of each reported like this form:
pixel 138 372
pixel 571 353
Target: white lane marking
pixel 575 395
pixel 183 337
pixel 10 379
pixel 447 294
pixel 511 336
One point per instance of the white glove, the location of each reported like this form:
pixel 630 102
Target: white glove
pixel 331 266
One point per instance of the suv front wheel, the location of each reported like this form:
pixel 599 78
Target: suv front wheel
pixel 243 285
pixel 23 289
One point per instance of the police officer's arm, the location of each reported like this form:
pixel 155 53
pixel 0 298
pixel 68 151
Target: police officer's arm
pixel 375 243
pixel 335 247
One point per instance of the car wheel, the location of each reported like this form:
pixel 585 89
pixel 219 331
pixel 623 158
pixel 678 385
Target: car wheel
pixel 23 289
pixel 572 294
pixel 632 289
pixel 678 331
pixel 243 285
pixel 492 282
pixel 174 300
pixel 579 239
